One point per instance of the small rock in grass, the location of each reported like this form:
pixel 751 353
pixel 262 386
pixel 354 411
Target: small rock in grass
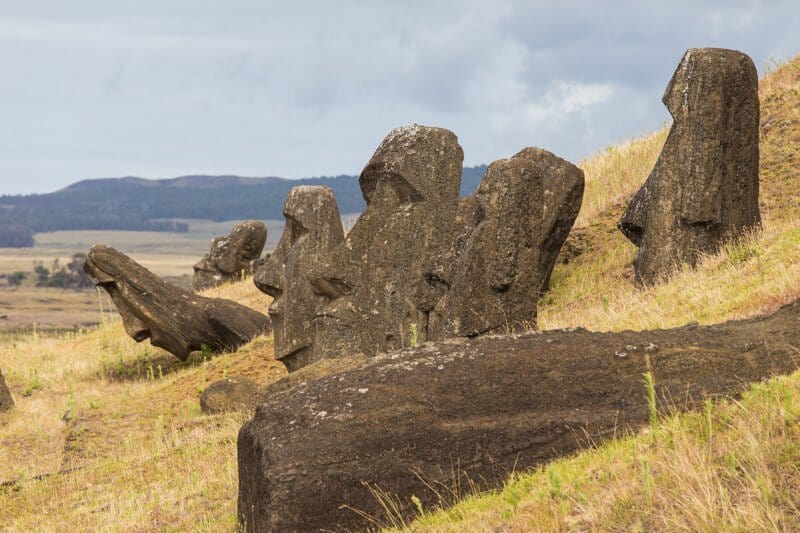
pixel 229 394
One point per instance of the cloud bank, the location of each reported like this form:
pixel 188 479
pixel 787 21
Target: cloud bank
pixel 165 88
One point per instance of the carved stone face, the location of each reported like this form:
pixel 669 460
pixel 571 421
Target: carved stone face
pixel 704 186
pixel 230 256
pixel 313 227
pixel 374 283
pixel 173 319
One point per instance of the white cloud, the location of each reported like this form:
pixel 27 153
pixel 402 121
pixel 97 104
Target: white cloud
pixel 96 88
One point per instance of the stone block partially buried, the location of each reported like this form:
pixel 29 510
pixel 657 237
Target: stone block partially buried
pixel 173 319
pixel 469 412
pixel 704 187
pixel 229 257
pixel 313 228
pixel 510 234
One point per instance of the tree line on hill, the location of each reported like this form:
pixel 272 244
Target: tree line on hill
pixel 69 276
pixel 158 205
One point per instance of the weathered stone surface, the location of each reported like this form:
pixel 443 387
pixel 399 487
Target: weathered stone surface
pixel 479 408
pixel 176 320
pixel 6 401
pixel 313 228
pixel 510 235
pixel 229 394
pixel 704 187
pixel 374 281
pixel 229 257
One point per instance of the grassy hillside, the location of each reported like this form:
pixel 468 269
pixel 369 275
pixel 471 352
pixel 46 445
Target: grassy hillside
pixel 114 430
pixel 735 466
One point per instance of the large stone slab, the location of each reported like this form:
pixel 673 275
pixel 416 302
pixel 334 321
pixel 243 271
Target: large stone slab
pixel 476 410
pixel 229 257
pixel 511 232
pixel 374 282
pixel 704 187
pixel 313 228
pixel 173 319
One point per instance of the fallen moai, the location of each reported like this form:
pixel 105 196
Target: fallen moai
pixel 704 187
pixel 374 282
pixel 6 401
pixel 229 257
pixel 313 228
pixel 510 233
pixel 477 409
pixel 173 319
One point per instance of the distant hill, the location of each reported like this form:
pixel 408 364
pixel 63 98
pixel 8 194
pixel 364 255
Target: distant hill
pixel 132 203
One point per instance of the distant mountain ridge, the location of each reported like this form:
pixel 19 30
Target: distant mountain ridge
pixel 138 204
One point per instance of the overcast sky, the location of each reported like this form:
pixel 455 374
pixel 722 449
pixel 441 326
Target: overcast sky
pixel 162 88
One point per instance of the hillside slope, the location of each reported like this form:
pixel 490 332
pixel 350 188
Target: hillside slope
pixel 107 434
pixel 735 466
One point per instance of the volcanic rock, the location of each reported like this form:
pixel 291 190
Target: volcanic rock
pixel 374 283
pixel 6 401
pixel 229 394
pixel 704 187
pixel 474 410
pixel 313 228
pixel 173 319
pixel 510 235
pixel 229 257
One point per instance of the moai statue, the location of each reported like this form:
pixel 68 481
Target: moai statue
pixel 510 234
pixel 313 228
pixel 377 298
pixel 229 257
pixel 173 319
pixel 704 187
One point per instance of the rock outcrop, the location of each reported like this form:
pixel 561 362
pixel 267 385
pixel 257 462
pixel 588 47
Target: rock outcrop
pixel 374 282
pixel 173 319
pixel 510 234
pixel 6 401
pixel 478 409
pixel 229 394
pixel 229 257
pixel 704 187
pixel 313 228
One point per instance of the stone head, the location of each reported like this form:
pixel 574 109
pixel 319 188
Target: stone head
pixel 313 227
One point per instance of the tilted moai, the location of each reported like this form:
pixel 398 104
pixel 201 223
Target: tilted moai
pixel 377 297
pixel 704 187
pixel 313 228
pixel 230 256
pixel 173 319
pixel 510 234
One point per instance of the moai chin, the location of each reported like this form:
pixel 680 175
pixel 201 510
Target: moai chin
pixel 377 298
pixel 313 228
pixel 703 189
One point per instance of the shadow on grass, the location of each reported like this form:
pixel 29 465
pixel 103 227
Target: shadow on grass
pixel 151 366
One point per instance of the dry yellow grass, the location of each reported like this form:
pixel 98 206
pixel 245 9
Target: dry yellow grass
pixel 143 458
pixel 734 467
pixel 116 430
